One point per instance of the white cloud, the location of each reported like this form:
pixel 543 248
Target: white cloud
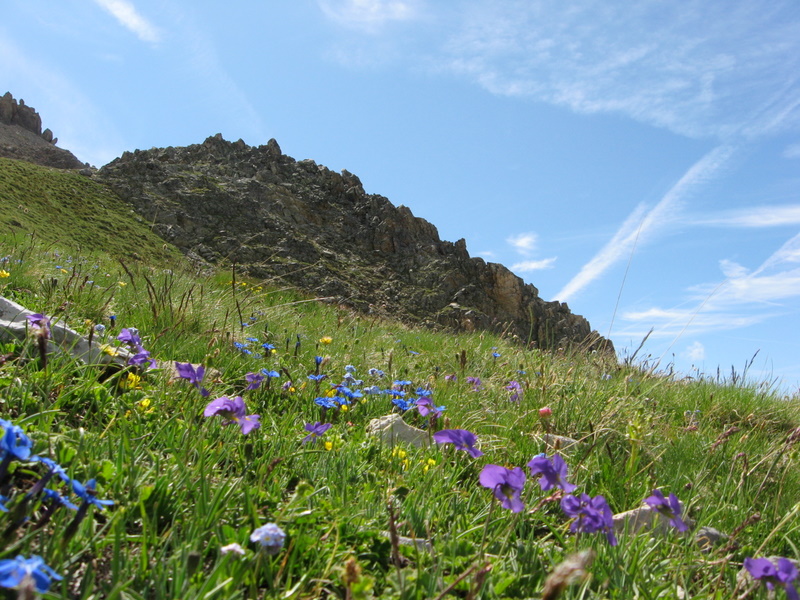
pixel 524 243
pixel 731 269
pixel 696 68
pixel 369 15
pixel 758 216
pixel 127 15
pixel 639 227
pixel 533 265
pixel 696 352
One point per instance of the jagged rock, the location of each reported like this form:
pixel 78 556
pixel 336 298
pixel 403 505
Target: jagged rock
pixel 708 537
pixel 391 429
pixel 14 325
pixel 318 230
pixel 21 137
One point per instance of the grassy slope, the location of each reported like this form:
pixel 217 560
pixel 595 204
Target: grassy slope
pixel 184 486
pixel 69 210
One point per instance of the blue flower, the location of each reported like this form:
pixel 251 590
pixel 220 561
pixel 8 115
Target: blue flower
pixel 57 498
pixel 88 493
pixel 270 536
pixel 13 572
pixel 350 369
pixel 325 402
pixel 402 404
pixel 317 378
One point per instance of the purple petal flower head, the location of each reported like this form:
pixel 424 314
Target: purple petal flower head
pixel 591 515
pixel 669 507
pixel 13 571
pixel 39 324
pixel 782 574
pixel 270 536
pixel 426 407
pixel 142 357
pixel 315 430
pixel 234 411
pixel 130 336
pixel 553 473
pixel 506 484
pixel 514 387
pixel 475 382
pixel 460 438
pixel 254 380
pixel 195 376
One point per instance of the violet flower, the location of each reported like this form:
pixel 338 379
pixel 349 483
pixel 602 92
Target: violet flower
pixel 475 382
pixel 553 473
pixel 270 536
pixel 40 324
pixel 426 407
pixel 506 484
pixel 669 507
pixel 254 380
pixel 591 515
pixel 782 574
pixel 315 430
pixel 233 410
pixel 460 438
pixel 194 375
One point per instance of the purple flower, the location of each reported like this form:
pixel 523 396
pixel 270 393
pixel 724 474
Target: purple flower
pixel 460 438
pixel 195 376
pixel 669 507
pixel 591 515
pixel 451 377
pixel 315 430
pixel 506 484
pixel 234 411
pixel 426 407
pixel 475 382
pixel 552 473
pixel 254 379
pixel 14 571
pixel 514 387
pixel 130 336
pixel 39 324
pixel 782 574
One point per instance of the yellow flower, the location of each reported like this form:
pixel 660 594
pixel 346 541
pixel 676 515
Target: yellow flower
pixel 4 274
pixel 428 464
pixel 108 349
pixel 330 393
pixel 328 445
pixel 64 271
pixel 325 340
pixel 399 453
pixel 144 406
pixel 131 382
pixel 344 408
pixel 121 284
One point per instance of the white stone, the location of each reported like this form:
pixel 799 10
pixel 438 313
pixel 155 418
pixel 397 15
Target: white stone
pixel 392 429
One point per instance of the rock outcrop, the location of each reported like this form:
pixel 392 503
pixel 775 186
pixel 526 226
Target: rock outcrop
pixel 22 138
pixel 318 230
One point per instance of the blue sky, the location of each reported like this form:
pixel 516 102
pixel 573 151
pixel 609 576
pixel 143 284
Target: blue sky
pixel 640 161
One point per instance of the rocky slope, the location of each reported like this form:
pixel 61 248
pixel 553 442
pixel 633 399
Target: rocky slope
pixel 318 230
pixel 22 138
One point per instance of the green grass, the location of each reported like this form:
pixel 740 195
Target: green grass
pixel 184 486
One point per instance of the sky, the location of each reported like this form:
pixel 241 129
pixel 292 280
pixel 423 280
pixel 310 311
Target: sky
pixel 639 161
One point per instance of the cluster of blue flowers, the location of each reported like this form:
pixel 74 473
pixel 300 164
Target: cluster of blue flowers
pixel 16 446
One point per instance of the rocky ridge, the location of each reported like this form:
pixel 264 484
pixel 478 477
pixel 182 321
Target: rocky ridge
pixel 22 138
pixel 318 230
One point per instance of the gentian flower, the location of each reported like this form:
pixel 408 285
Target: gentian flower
pixel 270 536
pixel 315 430
pixel 376 373
pixel 782 574
pixel 3 500
pixel 325 402
pixel 506 484
pixel 13 571
pixel 233 548
pixel 268 347
pixel 403 405
pixel 14 445
pixel 591 515
pixel 460 438
pixel 669 507
pixel 317 378
pixel 53 468
pixel 88 493
pixel 401 383
pixel 234 411
pixel 58 499
pixel 195 376
pixel 552 473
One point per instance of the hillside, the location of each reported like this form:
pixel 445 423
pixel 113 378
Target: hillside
pixel 306 226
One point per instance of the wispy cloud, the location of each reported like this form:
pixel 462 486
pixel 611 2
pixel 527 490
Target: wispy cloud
pixel 127 15
pixel 759 216
pixel 528 266
pixel 369 15
pixel 641 225
pixel 744 298
pixel 524 243
pixel 696 351
pixel 792 151
pixel 696 68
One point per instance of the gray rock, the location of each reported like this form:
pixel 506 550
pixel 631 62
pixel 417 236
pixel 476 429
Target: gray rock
pixel 14 325
pixel 642 519
pixel 708 537
pixel 391 429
